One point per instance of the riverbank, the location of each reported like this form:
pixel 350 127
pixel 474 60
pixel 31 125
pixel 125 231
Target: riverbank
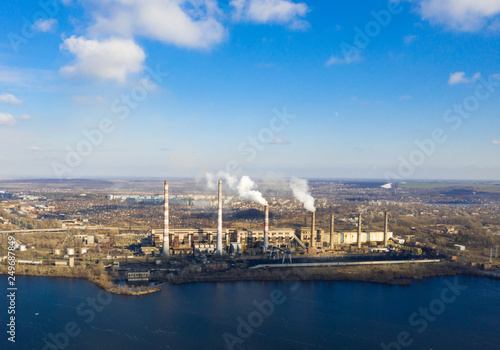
pixel 385 274
pixel 96 276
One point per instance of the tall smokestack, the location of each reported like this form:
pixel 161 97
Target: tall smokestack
pixel 166 232
pixel 359 230
pixel 313 230
pixel 332 228
pixel 386 227
pixel 266 227
pixel 219 222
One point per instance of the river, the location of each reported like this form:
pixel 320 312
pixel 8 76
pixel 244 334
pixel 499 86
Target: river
pixel 436 313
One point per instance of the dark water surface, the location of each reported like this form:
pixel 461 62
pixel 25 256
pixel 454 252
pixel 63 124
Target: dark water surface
pixel 57 313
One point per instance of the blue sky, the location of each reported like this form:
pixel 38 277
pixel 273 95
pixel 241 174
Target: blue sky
pixel 227 69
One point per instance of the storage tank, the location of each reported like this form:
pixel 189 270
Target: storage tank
pixel 71 251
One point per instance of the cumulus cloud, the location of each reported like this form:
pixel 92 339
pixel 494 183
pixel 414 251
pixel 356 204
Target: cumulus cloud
pixel 80 99
pixel 459 78
pixel 45 25
pixel 7 119
pixel 9 98
pixel 409 39
pixel 192 24
pixel 461 15
pixel 336 60
pixel 271 11
pixel 278 141
pixel 110 59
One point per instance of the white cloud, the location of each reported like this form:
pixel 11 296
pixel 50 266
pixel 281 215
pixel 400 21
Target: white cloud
pixel 460 15
pixel 8 98
pixel 335 60
pixel 278 141
pixel 459 78
pixel 496 142
pixel 111 59
pixel 80 99
pixel 35 148
pixel 271 11
pixel 185 23
pixel 7 119
pixel 45 25
pixel 409 39
pixel 26 117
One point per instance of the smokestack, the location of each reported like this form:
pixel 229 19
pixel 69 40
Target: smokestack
pixel 166 232
pixel 359 230
pixel 219 222
pixel 332 227
pixel 386 227
pixel 266 227
pixel 313 230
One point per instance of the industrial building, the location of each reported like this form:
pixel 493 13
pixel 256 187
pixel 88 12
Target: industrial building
pixel 183 240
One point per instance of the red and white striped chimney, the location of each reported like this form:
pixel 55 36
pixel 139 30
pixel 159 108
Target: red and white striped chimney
pixel 359 230
pixel 313 230
pixel 386 228
pixel 166 232
pixel 266 227
pixel 219 221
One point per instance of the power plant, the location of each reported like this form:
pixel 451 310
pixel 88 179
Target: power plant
pixel 228 241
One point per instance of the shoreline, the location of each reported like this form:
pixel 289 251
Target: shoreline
pixel 381 274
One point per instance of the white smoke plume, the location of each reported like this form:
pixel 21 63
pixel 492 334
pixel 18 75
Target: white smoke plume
pixel 210 180
pixel 245 190
pixel 231 181
pixel 245 186
pixel 301 192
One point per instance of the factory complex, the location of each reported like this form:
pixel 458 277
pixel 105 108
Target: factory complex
pixel 222 241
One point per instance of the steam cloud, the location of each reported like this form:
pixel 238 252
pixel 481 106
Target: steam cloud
pixel 245 190
pixel 245 186
pixel 301 192
pixel 210 181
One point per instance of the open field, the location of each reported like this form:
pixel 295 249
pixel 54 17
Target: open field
pixel 489 187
